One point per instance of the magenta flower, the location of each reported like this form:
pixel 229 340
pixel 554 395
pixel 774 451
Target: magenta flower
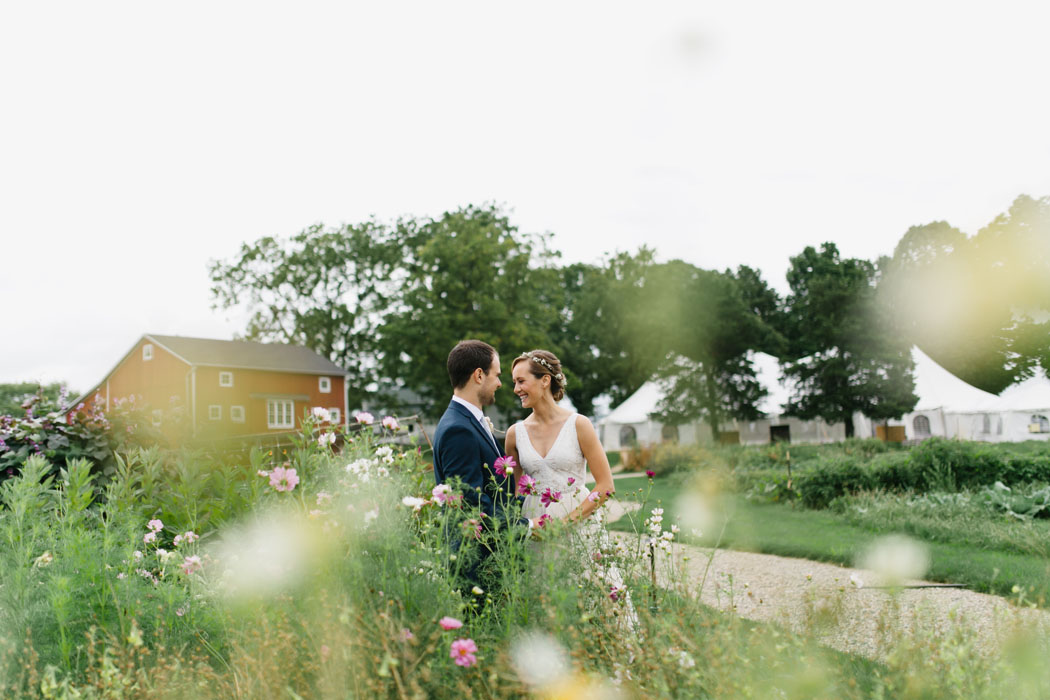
pixel 462 652
pixel 544 519
pixel 450 623
pixel 548 497
pixel 650 473
pixel 526 485
pixel 503 465
pixel 615 592
pixel 570 481
pixel 471 528
pixel 283 479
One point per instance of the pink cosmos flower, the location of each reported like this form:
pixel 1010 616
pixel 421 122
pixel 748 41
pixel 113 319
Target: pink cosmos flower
pixel 526 485
pixel 283 479
pixel 191 564
pixel 570 481
pixel 594 497
pixel 390 423
pixel 149 537
pixel 155 525
pixel 615 592
pixel 443 494
pixel 364 418
pixel 471 528
pixel 650 473
pixel 406 634
pixel 504 464
pixel 325 652
pixel 462 652
pixel 544 519
pixel 450 623
pixel 548 497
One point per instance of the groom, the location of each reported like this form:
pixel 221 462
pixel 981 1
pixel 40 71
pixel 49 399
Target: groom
pixel 463 445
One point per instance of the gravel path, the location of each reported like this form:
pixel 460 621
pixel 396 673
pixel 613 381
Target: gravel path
pixel 849 615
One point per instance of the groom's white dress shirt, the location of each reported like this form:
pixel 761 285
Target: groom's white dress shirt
pixel 479 416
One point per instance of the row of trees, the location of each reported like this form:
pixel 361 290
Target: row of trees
pixel 387 301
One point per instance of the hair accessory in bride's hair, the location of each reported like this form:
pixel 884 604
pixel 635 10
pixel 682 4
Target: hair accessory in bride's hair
pixel 540 361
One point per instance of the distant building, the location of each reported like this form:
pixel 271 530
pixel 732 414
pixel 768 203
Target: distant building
pixel 223 387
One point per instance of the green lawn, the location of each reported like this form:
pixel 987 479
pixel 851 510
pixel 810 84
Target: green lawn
pixel 792 531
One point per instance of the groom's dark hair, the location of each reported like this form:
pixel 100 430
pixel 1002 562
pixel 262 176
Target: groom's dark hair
pixel 467 356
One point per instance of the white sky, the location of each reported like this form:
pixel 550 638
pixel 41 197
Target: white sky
pixel 139 140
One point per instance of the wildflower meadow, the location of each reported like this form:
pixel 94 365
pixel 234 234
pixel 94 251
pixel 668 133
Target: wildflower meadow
pixel 335 568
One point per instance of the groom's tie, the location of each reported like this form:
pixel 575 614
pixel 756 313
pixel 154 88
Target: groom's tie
pixel 486 425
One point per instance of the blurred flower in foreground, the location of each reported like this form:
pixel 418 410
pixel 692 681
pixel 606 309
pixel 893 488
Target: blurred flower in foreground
pixel 273 553
pixel 896 559
pixel 543 664
pixel 449 623
pixel 390 423
pixel 282 479
pixel 364 418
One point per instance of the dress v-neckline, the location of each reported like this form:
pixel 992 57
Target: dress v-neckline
pixel 553 444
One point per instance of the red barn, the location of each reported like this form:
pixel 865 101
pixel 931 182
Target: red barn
pixel 225 387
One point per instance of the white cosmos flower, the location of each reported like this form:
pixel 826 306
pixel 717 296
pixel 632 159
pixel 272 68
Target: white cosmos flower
pixel 414 502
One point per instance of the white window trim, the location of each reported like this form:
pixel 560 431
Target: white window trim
pixel 224 375
pixel 147 352
pixel 214 412
pixel 158 416
pixel 337 415
pixel 324 385
pixel 280 414
pixel 234 410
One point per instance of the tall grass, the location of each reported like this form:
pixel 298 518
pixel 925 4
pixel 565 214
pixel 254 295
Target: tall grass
pixel 335 586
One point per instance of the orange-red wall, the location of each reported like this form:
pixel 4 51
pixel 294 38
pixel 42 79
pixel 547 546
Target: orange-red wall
pixel 248 382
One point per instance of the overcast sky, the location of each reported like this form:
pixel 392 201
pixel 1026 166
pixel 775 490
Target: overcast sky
pixel 140 140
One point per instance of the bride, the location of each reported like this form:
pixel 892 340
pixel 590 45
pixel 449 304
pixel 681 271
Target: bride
pixel 552 446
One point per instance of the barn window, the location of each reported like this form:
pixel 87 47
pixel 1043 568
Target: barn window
pixel 158 415
pixel 986 424
pixel 225 378
pixel 147 352
pixel 628 435
pixel 237 414
pixel 324 384
pixel 921 425
pixel 669 433
pixel 214 412
pixel 335 415
pixel 280 413
pixel 1040 424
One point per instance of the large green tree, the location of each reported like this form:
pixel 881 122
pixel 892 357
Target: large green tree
pixel 605 348
pixel 324 288
pixel 468 274
pixel 711 327
pixel 979 306
pixel 844 354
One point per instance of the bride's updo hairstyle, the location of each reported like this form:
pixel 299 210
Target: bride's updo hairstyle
pixel 542 362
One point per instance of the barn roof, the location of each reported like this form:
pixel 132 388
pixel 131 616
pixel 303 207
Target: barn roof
pixel 245 354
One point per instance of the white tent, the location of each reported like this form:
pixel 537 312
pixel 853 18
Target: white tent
pixel 949 407
pixel 631 422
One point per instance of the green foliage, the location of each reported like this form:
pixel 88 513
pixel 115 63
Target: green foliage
pixel 844 354
pixel 977 304
pixel 42 430
pixel 468 274
pixel 324 288
pixel 13 396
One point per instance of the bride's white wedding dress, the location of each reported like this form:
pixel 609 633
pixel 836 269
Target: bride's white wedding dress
pixel 563 471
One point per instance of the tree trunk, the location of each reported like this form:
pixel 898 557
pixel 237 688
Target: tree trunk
pixel 849 426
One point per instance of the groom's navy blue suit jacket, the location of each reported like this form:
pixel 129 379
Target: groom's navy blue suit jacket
pixel 464 448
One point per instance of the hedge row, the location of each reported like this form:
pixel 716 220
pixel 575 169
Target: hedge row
pixel 934 465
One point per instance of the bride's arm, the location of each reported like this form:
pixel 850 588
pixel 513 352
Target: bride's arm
pixel 510 448
pixel 599 465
